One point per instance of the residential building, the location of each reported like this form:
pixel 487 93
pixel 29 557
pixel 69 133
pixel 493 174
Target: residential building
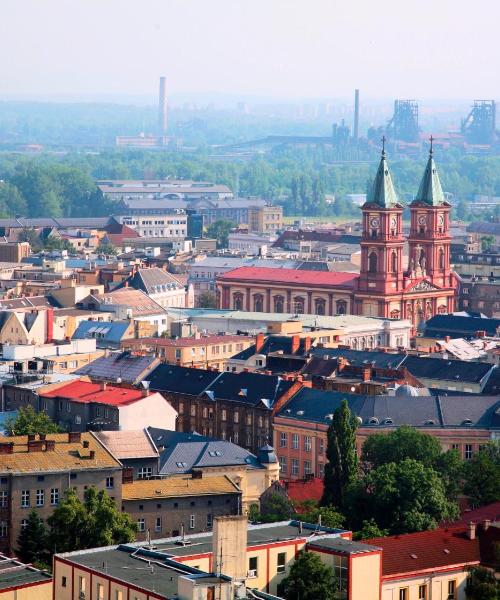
pixel 205 352
pixel 461 325
pixel 265 219
pixel 172 224
pixel 35 472
pixel 229 406
pixel 184 504
pixel 120 367
pixel 107 335
pixel 480 294
pixel 159 285
pixel 18 580
pixel 300 425
pixel 253 244
pixel 14 251
pixel 384 288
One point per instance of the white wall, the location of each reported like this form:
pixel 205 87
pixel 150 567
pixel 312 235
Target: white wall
pixel 151 410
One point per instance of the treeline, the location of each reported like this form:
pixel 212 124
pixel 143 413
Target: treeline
pixel 304 181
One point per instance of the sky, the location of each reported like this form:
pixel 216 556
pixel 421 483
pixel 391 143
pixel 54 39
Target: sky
pixel 283 49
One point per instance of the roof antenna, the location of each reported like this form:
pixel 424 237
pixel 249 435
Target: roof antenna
pixel 383 146
pixel 431 149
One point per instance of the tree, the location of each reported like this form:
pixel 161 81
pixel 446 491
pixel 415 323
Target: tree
pixel 487 241
pixel 107 249
pixel 403 497
pixel 29 421
pixel 482 584
pixel 330 517
pixel 482 475
pixel 207 300
pixel 76 525
pixel 370 529
pixel 33 539
pixel 309 579
pixel 275 507
pixel 341 470
pixel 219 230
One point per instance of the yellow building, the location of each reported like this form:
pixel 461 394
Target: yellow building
pixel 23 582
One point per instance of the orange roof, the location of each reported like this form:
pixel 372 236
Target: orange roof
pixel 85 392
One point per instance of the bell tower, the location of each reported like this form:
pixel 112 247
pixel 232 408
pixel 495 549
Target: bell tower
pixel 382 242
pixel 429 239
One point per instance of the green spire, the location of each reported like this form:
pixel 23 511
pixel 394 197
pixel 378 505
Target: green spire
pixel 382 191
pixel 430 190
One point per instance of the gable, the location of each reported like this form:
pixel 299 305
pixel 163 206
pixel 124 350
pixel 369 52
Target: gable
pixel 422 286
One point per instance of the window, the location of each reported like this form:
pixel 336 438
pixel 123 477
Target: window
pixel 63 581
pixel 81 584
pixel 281 562
pixel 210 521
pixel 40 497
pixel 192 521
pixel 178 354
pixel 25 499
pixel 307 467
pixel 253 566
pixel 3 529
pixel 118 595
pixel 100 591
pixel 452 590
pixel 422 592
pixel 283 439
pixel 3 499
pixel 340 570
pixel 295 441
pixel 110 483
pixel 295 466
pixel 193 410
pixel 181 408
pixel 283 465
pixel 236 417
pixel 403 593
pixel 24 523
pixel 54 496
pixel 145 472
pixel 321 446
pixel 224 415
pixel 372 268
pixel 141 525
pixel 158 524
pixel 468 451
pixel 307 443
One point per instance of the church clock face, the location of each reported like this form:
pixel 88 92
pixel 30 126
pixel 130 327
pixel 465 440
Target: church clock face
pixel 374 222
pixel 422 220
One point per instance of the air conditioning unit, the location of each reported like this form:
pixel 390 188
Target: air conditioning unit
pixel 252 573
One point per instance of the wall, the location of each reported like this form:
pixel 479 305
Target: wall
pixel 152 409
pixel 41 591
pixel 437 586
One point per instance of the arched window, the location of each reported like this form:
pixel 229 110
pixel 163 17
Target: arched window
pixel 319 306
pixel 238 302
pixel 258 303
pixel 394 314
pixel 299 305
pixel 341 307
pixel 372 262
pixel 394 262
pixel 441 258
pixel 279 304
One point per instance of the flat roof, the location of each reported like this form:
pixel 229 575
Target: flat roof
pixel 14 573
pixel 342 546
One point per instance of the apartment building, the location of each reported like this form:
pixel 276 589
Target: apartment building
pixel 168 225
pixel 35 471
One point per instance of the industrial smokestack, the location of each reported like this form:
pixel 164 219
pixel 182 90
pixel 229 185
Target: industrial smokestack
pixel 356 114
pixel 162 108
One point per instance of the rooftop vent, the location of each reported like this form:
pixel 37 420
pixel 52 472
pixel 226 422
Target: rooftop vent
pixel 373 421
pixel 467 422
pixel 430 422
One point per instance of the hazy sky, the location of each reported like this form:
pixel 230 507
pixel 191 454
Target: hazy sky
pixel 283 48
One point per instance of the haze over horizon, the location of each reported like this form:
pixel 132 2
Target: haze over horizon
pixel 284 50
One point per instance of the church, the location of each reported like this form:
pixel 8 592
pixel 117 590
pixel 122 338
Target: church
pixel 385 286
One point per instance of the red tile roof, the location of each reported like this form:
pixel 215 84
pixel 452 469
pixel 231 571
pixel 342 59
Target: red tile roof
pixel 85 392
pixel 426 550
pixel 300 491
pixel 490 512
pixel 291 276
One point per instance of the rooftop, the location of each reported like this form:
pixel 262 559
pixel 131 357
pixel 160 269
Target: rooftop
pixel 85 392
pixel 65 456
pixel 136 300
pixel 119 365
pixel 175 487
pixel 291 276
pixel 128 444
pixel 342 546
pixel 14 574
pixel 188 342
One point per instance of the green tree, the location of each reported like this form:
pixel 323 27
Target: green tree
pixel 330 517
pixel 404 497
pixel 32 543
pixel 76 525
pixel 29 421
pixel 309 579
pixel 370 529
pixel 107 249
pixel 275 507
pixel 207 300
pixel 482 584
pixel 56 243
pixel 219 230
pixel 341 470
pixel 487 241
pixel 462 210
pixel 11 200
pixel 482 475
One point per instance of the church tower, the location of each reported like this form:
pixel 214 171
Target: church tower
pixel 382 242
pixel 429 239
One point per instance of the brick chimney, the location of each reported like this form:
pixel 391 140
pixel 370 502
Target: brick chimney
pixel 103 386
pixel 471 532
pixel 74 437
pixel 7 448
pixel 307 344
pixel 50 446
pixel 92 455
pixel 295 343
pixel 259 342
pixel 35 446
pixel 480 334
pixel 486 524
pixel 366 373
pixel 31 437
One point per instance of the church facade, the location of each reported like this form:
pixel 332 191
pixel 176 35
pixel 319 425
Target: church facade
pixel 385 287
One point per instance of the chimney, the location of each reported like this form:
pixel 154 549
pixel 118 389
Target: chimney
pixel 92 455
pixel 229 546
pixel 259 342
pixel 307 344
pixel 102 386
pixel 50 446
pixel 486 524
pixel 341 364
pixel 74 437
pixel 366 373
pixel 471 532
pixel 35 446
pixel 162 108
pixel 480 334
pixel 7 448
pixel 295 343
pixel 145 393
pixel 85 443
pixel 31 437
pixel 447 338
pixel 128 475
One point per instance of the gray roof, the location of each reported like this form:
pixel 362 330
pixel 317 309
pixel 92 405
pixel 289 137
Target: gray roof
pixel 341 545
pixel 128 367
pixel 149 280
pixel 23 222
pixel 468 411
pixel 14 574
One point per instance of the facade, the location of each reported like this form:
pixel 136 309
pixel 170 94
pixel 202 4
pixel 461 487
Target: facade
pixel 480 295
pixel 205 352
pixel 183 504
pixel 14 251
pixel 384 287
pixel 265 219
pixel 159 285
pixel 35 471
pixel 169 225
